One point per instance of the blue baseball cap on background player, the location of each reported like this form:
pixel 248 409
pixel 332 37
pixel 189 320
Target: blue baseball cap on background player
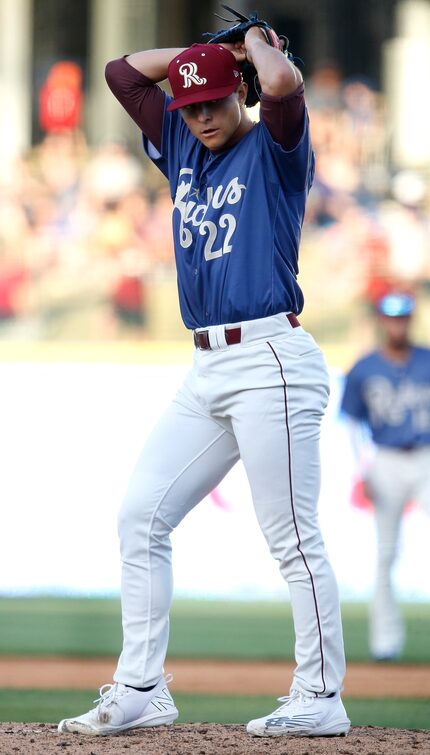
pixel 396 305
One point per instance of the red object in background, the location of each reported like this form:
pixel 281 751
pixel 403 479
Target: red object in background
pixel 128 294
pixel 219 500
pixel 360 500
pixel 60 100
pixel 12 282
pixel 377 280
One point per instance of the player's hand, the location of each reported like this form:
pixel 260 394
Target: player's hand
pixel 367 488
pixel 256 34
pixel 237 48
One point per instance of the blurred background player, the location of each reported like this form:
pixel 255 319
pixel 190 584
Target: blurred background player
pixel 388 393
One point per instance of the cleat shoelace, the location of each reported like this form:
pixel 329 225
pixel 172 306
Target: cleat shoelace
pixel 109 693
pixel 287 700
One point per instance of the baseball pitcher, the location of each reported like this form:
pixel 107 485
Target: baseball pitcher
pixel 258 386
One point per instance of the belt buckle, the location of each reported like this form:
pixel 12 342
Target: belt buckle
pixel 201 340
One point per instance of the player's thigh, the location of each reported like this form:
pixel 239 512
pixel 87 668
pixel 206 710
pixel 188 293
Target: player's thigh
pixel 278 432
pixel 389 490
pixel 422 480
pixel 184 458
pixel 388 484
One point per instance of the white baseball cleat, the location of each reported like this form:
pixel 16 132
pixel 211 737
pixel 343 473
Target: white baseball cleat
pixel 120 708
pixel 303 716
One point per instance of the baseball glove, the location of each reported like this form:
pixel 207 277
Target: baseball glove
pixel 237 33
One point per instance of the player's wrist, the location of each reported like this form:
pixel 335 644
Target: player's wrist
pixel 266 34
pixel 255 35
pixel 254 39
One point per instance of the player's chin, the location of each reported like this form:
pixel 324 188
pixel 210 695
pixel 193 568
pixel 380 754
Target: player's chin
pixel 212 138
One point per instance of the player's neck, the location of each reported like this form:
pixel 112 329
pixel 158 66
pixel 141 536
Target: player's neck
pixel 398 353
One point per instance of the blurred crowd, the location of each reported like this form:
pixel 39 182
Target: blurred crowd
pixel 80 237
pixel 368 222
pixel 85 234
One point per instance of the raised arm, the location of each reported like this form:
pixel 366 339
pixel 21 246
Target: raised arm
pixel 283 103
pixel 278 76
pixel 153 63
pixel 133 80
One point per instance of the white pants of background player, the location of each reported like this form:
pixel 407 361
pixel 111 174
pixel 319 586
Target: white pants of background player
pixel 262 401
pixel 394 478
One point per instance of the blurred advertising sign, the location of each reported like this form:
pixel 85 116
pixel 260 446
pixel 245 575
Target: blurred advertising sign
pixel 66 467
pixel 60 99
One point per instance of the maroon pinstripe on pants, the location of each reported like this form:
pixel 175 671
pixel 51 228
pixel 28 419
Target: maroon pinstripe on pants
pixel 294 514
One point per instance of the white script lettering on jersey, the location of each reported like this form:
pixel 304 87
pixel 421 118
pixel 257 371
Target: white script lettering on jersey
pixel 189 72
pixel 193 213
pixel 388 404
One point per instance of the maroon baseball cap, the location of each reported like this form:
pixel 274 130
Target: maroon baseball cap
pixel 201 73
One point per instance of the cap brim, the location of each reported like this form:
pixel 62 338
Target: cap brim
pixel 204 96
pixel 391 314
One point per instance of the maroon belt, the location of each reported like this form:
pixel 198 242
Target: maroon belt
pixel 232 335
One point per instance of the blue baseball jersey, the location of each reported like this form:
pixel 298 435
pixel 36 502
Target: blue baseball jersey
pixel 393 399
pixel 237 221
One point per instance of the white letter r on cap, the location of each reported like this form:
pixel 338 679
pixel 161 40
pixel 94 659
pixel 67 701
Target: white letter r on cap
pixel 189 72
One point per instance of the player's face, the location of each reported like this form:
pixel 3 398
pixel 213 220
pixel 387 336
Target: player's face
pixel 218 124
pixel 396 330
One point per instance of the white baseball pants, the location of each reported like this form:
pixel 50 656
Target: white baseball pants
pixel 262 401
pixel 394 478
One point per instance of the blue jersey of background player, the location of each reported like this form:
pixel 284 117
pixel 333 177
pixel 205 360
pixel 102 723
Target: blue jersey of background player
pixel 388 391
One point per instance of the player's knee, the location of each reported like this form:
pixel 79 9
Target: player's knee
pixel 387 555
pixel 140 520
pixel 136 512
pixel 297 558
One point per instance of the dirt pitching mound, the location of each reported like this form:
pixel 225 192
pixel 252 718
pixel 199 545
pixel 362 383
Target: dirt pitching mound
pixel 207 739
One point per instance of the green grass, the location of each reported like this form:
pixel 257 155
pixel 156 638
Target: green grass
pixel 51 626
pixel 52 705
pixel 92 627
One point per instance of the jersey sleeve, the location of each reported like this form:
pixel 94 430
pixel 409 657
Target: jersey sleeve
pixel 146 103
pixel 284 116
pixel 352 402
pixel 175 137
pixel 140 97
pixel 295 167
